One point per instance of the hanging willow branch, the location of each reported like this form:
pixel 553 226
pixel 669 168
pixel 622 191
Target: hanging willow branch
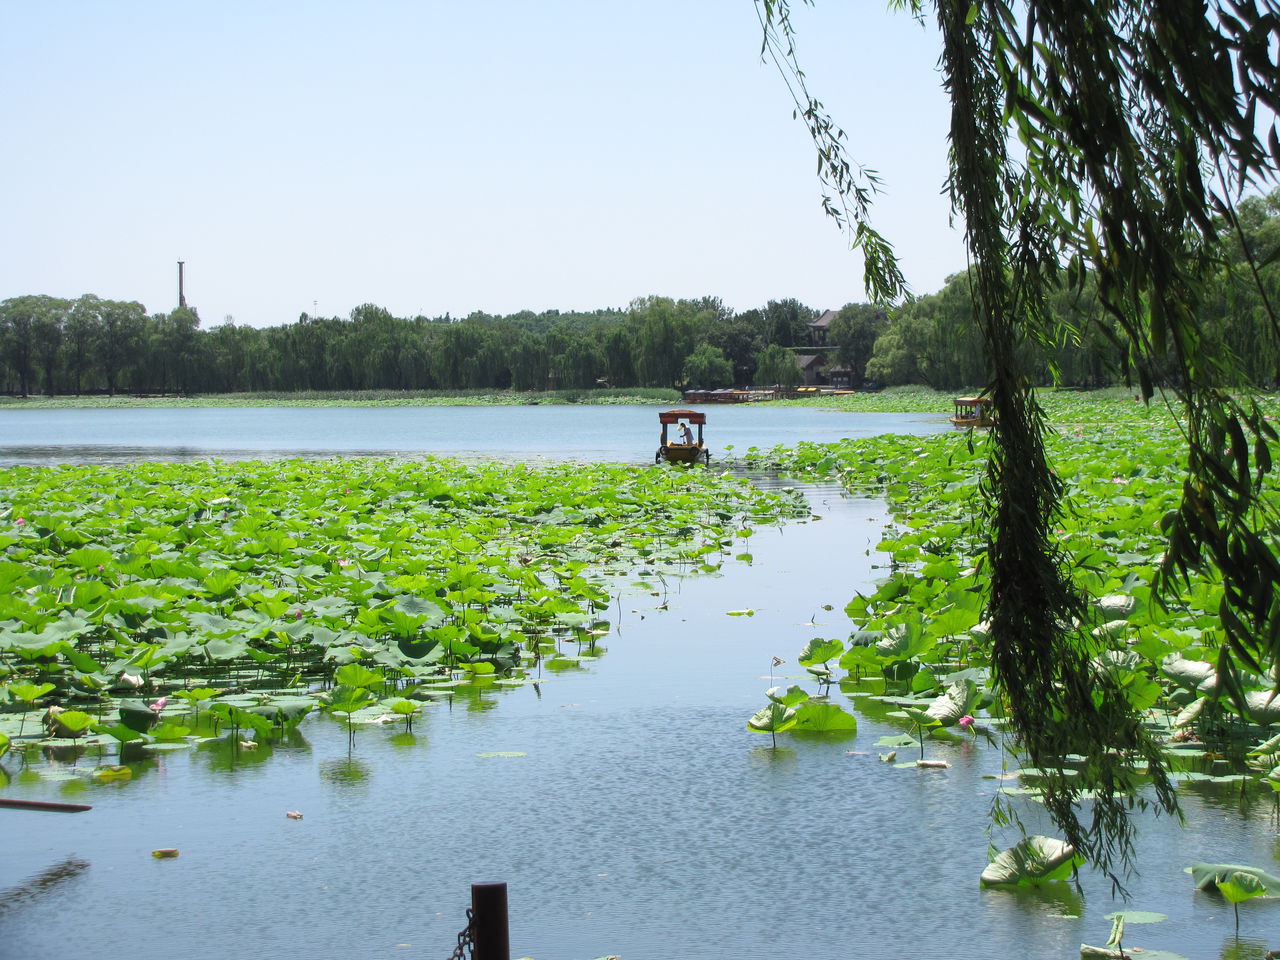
pixel 1138 124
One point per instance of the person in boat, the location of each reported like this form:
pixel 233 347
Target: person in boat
pixel 686 435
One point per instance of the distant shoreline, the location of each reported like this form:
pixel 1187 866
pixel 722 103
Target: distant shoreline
pixel 342 398
pixel 1109 402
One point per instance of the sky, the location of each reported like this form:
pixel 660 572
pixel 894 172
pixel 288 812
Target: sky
pixel 443 158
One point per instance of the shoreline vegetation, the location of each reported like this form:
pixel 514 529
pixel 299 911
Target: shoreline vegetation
pixel 1058 404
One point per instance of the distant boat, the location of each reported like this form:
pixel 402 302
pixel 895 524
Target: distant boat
pixel 677 451
pixel 973 412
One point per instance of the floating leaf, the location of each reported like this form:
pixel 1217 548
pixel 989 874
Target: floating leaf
pixel 1032 861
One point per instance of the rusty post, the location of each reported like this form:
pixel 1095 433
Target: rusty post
pixel 489 922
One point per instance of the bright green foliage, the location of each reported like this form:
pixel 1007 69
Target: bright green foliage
pixel 819 716
pixel 776 365
pixel 29 692
pixel 354 675
pixel 1236 883
pixel 1120 467
pixel 818 651
pixel 70 723
pixel 192 577
pixel 1208 876
pixel 774 718
pixel 787 696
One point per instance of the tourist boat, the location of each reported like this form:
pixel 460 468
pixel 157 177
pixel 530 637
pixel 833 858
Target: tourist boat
pixel 973 412
pixel 672 450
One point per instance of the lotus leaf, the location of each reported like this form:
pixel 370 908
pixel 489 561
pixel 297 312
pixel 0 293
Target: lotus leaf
pixel 1191 674
pixel 170 731
pixel 119 731
pixel 817 716
pixel 775 718
pixel 958 701
pixel 1264 706
pixel 818 651
pixel 1209 876
pixel 1117 606
pixel 787 696
pixel 1190 713
pixel 1032 861
pixel 904 639
pixel 1272 746
pixel 29 692
pixel 69 723
pixel 355 675
pixel 136 715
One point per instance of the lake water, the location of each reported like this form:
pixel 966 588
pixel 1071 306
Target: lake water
pixel 638 817
pixel 615 433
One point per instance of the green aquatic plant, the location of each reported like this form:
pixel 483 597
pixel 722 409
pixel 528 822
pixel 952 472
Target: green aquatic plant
pixel 196 577
pixel 408 710
pixel 817 655
pixel 773 720
pixel 68 723
pixel 1121 474
pixel 780 713
pixel 28 693
pixel 1032 861
pixel 921 720
pixel 1236 883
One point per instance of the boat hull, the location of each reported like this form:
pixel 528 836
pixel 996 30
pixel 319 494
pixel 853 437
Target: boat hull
pixel 676 453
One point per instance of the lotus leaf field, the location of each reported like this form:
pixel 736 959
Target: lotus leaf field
pixel 919 631
pixel 160 604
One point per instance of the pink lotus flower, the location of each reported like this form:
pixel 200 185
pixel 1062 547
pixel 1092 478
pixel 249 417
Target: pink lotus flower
pixel 159 704
pixel 297 614
pixel 344 563
pixel 21 522
pixel 966 721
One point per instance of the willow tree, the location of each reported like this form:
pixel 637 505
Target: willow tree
pixel 1109 140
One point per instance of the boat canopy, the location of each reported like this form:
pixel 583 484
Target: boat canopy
pixel 675 416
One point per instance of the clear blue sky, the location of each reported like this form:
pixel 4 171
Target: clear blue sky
pixel 435 157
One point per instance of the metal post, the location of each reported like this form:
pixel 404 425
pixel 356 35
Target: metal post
pixel 489 922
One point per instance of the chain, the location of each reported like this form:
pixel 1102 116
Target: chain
pixel 465 941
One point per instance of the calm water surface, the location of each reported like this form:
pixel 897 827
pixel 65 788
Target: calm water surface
pixel 617 433
pixel 640 819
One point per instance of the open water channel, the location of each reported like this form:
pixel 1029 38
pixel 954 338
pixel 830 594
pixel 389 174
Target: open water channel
pixel 626 804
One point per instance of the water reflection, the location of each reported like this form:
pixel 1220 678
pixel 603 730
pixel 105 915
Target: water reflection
pixel 43 882
pixel 1244 948
pixel 769 757
pixel 345 772
pixel 1044 913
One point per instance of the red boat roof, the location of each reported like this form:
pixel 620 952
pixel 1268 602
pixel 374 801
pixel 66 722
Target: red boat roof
pixel 675 416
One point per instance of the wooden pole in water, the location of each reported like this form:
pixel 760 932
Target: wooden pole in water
pixel 47 805
pixel 489 922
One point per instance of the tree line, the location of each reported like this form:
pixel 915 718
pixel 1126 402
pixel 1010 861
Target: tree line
pixel 52 346
pixel 55 346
